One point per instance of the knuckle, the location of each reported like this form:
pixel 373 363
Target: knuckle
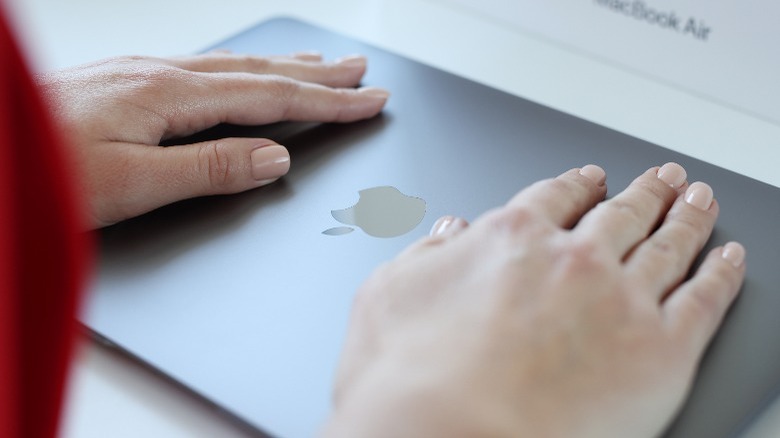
pixel 511 220
pixel 153 77
pixel 334 70
pixel 343 98
pixel 704 302
pixel 624 208
pixel 692 221
pixel 282 90
pixel 678 241
pixel 344 95
pixel 214 161
pixel 715 289
pixel 137 58
pixel 664 250
pixel 582 255
pixel 255 63
pixel 649 184
pixel 654 187
pixel 127 59
pixel 564 186
pixel 570 193
pixel 282 87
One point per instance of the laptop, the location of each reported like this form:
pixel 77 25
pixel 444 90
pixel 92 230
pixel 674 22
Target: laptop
pixel 244 301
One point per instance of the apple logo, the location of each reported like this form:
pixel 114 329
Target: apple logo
pixel 380 212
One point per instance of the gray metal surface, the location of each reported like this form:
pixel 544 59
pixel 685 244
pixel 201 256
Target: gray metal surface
pixel 243 300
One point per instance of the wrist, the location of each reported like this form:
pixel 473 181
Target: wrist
pixel 420 405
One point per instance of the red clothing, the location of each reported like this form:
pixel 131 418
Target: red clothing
pixel 42 257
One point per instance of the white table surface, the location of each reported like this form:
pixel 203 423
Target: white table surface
pixel 111 396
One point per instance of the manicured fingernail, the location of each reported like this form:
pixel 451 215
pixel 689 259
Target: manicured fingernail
pixel 672 174
pixel 734 253
pixel 699 195
pixel 447 224
pixel 594 173
pixel 379 93
pixel 270 162
pixel 351 61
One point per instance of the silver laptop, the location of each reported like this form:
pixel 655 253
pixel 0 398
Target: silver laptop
pixel 244 300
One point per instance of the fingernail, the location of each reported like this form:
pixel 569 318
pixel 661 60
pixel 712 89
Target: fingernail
pixel 672 174
pixel 734 253
pixel 447 224
pixel 351 61
pixel 699 195
pixel 594 173
pixel 377 92
pixel 270 162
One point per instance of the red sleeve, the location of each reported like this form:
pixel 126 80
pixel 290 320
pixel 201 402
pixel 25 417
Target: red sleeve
pixel 42 255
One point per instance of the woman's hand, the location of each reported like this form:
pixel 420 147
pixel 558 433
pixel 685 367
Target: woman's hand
pixel 116 112
pixel 557 315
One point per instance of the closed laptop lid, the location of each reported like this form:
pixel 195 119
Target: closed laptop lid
pixel 245 301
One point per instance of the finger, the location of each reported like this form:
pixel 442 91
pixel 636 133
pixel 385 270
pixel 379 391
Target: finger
pixel 448 226
pixel 629 217
pixel 442 231
pixel 246 99
pixel 155 176
pixel 564 199
pixel 343 72
pixel 311 56
pixel 662 261
pixel 696 309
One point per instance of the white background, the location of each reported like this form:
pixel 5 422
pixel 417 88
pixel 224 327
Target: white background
pixel 110 396
pixel 712 64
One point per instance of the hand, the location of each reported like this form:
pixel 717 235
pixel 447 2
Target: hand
pixel 117 111
pixel 545 318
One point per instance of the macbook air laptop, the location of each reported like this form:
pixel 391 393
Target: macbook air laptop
pixel 244 300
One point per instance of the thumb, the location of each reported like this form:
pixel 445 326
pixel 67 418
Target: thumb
pixel 161 175
pixel 229 165
pixel 222 166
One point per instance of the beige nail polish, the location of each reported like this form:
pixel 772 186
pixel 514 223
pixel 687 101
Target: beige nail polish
pixel 441 225
pixel 270 162
pixel 672 174
pixel 377 92
pixel 351 61
pixel 448 225
pixel 734 253
pixel 594 173
pixel 699 195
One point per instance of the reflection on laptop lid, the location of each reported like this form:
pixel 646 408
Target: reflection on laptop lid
pixel 245 301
